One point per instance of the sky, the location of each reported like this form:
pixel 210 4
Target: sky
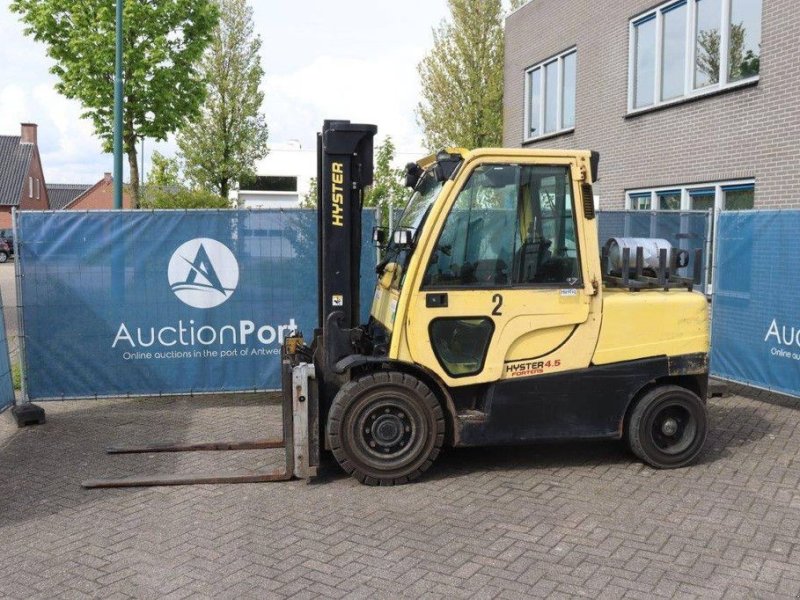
pixel 350 59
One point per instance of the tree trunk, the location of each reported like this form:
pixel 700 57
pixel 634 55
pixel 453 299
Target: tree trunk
pixel 133 164
pixel 224 188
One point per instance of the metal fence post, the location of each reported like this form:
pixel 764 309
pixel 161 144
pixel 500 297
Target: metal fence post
pixel 25 412
pixel 709 251
pixel 20 329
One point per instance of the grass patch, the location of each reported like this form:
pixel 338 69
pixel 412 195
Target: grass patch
pixel 16 375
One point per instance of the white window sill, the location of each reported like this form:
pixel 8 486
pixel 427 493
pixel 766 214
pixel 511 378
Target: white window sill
pixel 705 93
pixel 548 136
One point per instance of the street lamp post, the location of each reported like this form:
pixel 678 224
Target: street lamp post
pixel 118 111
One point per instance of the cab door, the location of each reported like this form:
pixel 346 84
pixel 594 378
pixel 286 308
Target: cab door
pixel 505 292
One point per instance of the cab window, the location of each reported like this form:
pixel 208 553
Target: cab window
pixel 510 225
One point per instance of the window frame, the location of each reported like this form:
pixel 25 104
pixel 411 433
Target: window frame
pixel 689 90
pixel 438 356
pixel 540 66
pixel 686 193
pixel 511 285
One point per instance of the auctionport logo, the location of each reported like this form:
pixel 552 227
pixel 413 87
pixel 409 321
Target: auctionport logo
pixel 203 273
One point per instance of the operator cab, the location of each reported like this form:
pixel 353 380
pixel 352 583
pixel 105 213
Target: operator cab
pixel 491 323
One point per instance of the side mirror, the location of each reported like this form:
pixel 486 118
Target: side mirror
pixel 594 164
pixel 446 165
pixel 379 235
pixel 402 238
pixel 413 173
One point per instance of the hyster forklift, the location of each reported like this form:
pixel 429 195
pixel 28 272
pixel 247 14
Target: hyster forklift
pixel 495 319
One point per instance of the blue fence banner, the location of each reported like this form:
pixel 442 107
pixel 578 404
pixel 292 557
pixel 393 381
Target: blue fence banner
pixel 6 381
pixel 756 307
pixel 167 302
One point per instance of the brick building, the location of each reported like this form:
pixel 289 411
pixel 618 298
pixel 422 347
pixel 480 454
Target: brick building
pixel 100 196
pixel 21 177
pixel 63 194
pixel 679 124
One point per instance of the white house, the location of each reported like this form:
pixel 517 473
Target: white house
pixel 282 178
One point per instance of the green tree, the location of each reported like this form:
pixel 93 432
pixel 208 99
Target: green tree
pixel 165 174
pixel 462 78
pixel 163 41
pixel 220 148
pixel 177 196
pixel 165 188
pixel 310 199
pixel 164 170
pixel 387 191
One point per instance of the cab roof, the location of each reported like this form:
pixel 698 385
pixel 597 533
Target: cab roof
pixel 468 155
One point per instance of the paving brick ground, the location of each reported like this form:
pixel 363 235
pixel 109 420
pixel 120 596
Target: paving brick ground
pixel 544 521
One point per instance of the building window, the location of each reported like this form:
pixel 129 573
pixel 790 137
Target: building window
pixel 644 73
pixel 673 71
pixel 733 195
pixel 738 197
pixel 30 187
pixel 691 47
pixel 669 199
pixel 702 199
pixel 550 96
pixel 744 37
pixel 271 183
pixel 640 201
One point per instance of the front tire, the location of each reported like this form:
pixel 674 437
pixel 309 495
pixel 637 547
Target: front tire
pixel 386 428
pixel 668 427
pixel 3 256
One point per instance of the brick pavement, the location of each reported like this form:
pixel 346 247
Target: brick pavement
pixel 545 521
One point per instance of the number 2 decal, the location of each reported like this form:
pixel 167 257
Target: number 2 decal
pixel 498 303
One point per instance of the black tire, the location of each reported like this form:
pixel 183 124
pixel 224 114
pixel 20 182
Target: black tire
pixel 3 257
pixel 386 428
pixel 668 427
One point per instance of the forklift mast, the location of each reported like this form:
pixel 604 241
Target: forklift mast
pixel 344 169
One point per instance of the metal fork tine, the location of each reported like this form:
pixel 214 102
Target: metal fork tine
pixel 198 447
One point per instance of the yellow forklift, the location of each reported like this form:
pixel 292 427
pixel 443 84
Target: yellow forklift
pixel 495 320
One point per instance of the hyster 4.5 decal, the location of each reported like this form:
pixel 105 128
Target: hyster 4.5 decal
pixel 526 368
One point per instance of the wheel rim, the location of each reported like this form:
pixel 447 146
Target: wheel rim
pixel 386 429
pixel 673 429
pixel 388 432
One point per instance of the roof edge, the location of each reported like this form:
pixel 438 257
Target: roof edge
pixel 516 10
pixel 81 195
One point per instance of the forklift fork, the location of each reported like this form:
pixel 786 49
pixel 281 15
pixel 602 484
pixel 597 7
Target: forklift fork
pixel 300 442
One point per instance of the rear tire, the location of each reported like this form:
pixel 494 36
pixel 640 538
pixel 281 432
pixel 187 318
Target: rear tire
pixel 3 257
pixel 668 427
pixel 386 428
